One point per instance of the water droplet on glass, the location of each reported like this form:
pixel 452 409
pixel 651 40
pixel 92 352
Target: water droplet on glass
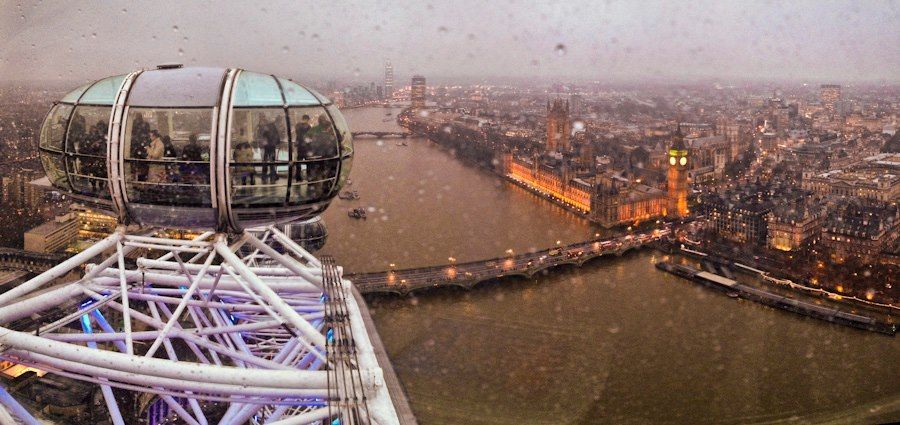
pixel 175 28
pixel 356 72
pixel 93 35
pixel 442 29
pixel 285 49
pixel 560 49
pixel 471 36
pixel 578 125
pixel 180 52
pixel 124 10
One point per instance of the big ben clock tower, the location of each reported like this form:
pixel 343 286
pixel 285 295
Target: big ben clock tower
pixel 677 177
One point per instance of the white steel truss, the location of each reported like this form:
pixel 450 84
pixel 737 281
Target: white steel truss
pixel 215 332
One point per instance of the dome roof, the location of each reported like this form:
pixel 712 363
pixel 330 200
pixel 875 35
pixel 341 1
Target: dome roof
pixel 200 148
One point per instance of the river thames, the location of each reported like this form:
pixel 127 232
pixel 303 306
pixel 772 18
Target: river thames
pixel 615 341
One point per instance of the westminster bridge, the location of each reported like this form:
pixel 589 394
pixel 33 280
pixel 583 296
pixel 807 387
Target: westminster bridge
pixel 468 274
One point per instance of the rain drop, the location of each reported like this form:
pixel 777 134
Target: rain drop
pixel 560 49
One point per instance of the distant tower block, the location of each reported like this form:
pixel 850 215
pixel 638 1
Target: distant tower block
pixel 558 126
pixel 388 79
pixel 830 96
pixel 417 91
pixel 677 178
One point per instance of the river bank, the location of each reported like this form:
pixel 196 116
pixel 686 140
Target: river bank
pixel 613 341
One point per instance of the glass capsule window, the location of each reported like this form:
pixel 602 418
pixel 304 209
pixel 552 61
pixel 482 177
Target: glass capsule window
pixel 167 156
pixel 296 95
pixel 254 89
pixel 53 131
pixel 74 95
pixel 260 156
pixel 316 154
pixel 52 139
pixel 103 92
pixel 55 169
pixel 86 143
pixel 343 130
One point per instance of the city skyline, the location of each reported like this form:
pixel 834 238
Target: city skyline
pixel 840 42
pixel 449 212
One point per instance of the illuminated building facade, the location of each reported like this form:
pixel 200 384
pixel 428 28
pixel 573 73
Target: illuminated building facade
pixel 558 126
pixel 678 178
pixel 556 183
pixel 613 201
pixel 417 91
pixel 52 236
pixel 92 225
pixel 830 96
pixel 620 201
pixel 796 225
pixel 860 230
pixel 17 192
pixel 875 184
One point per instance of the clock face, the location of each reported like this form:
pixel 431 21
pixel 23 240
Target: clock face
pixel 683 160
pixel 672 160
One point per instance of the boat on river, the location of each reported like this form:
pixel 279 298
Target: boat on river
pixel 358 213
pixel 349 195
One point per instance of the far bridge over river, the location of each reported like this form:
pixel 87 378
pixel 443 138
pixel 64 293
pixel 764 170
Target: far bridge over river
pixel 467 275
pixel 382 134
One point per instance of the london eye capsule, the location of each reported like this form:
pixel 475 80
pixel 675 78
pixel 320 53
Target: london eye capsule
pixel 198 148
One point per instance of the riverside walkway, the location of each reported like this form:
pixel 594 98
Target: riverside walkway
pixel 467 275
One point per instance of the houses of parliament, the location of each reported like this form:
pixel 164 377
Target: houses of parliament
pixel 566 171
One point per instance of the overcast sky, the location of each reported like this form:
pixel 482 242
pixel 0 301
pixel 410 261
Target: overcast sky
pixel 840 41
